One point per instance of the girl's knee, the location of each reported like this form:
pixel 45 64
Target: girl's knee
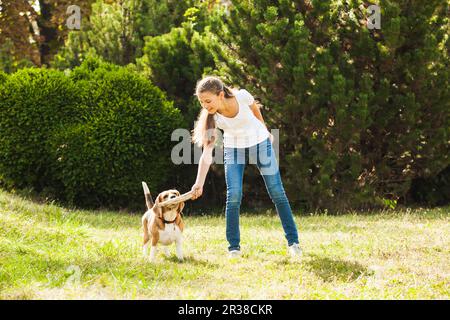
pixel 234 196
pixel 278 194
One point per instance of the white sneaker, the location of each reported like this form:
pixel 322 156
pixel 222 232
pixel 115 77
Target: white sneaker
pixel 234 253
pixel 295 250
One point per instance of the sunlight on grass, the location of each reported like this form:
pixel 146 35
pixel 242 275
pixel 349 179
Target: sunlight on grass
pixel 49 252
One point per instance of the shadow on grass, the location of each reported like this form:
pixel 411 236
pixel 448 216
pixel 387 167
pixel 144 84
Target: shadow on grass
pixel 334 269
pixel 191 261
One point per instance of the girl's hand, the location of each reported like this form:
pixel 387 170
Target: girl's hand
pixel 271 137
pixel 197 190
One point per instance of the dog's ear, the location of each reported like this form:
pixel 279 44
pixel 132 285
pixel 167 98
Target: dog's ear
pixel 180 205
pixel 180 208
pixel 158 210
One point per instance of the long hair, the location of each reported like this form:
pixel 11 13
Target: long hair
pixel 204 132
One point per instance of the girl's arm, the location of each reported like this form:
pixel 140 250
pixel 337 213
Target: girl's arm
pixel 257 112
pixel 203 168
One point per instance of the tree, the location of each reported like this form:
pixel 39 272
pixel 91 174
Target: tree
pixel 175 62
pixel 33 30
pixel 19 36
pixel 361 112
pixel 52 22
pixel 115 30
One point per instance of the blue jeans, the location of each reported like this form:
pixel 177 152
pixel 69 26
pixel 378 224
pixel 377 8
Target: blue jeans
pixel 263 155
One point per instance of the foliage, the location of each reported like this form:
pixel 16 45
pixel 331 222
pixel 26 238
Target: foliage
pixel 115 31
pixel 89 138
pixel 33 30
pixel 175 62
pixel 33 104
pixel 361 112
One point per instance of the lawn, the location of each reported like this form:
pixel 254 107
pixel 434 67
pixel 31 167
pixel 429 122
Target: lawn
pixel 49 252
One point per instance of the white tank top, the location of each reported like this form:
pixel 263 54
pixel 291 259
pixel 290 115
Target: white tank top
pixel 245 129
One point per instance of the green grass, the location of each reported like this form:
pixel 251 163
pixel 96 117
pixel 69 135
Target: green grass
pixel 49 252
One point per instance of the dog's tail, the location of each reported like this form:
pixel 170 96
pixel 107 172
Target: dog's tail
pixel 148 196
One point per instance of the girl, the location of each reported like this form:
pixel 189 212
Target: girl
pixel 238 115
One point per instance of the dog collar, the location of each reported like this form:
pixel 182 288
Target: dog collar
pixel 168 222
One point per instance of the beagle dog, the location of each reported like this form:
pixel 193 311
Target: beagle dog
pixel 163 225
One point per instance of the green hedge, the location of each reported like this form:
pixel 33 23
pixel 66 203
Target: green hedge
pixel 3 77
pixel 33 104
pixel 88 138
pixel 124 140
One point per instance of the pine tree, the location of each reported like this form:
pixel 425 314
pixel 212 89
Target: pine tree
pixel 361 111
pixel 115 30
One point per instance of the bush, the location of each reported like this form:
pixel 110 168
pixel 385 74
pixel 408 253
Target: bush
pixel 123 140
pixel 34 103
pixel 3 77
pixel 88 138
pixel 434 191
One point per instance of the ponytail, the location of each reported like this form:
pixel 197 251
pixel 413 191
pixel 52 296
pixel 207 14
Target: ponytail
pixel 204 132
